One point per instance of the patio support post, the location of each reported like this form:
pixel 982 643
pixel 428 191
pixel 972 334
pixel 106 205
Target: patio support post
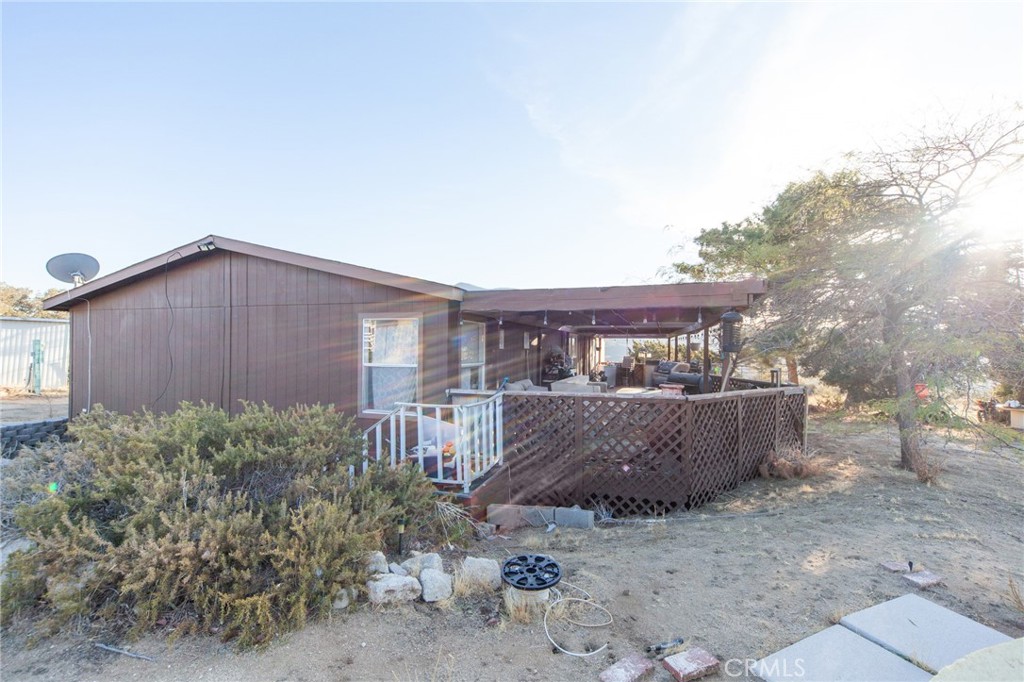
pixel 706 376
pixel 688 358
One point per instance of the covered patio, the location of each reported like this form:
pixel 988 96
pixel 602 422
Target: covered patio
pixel 637 451
pixel 579 321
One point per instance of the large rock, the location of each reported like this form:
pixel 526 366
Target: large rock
pixel 344 598
pixel 376 562
pixel 437 585
pixel 419 562
pixel 391 589
pixel 481 572
pixel 397 570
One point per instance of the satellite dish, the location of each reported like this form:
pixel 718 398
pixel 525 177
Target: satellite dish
pixel 73 268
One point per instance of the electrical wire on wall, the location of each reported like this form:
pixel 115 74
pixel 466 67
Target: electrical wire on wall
pixel 88 358
pixel 170 328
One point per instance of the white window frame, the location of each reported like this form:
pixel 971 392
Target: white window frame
pixel 363 410
pixel 483 353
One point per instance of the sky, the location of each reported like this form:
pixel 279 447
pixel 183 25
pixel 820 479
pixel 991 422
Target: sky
pixel 505 145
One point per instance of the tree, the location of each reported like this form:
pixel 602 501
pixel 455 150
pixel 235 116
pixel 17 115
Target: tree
pixel 875 278
pixel 654 349
pixel 22 302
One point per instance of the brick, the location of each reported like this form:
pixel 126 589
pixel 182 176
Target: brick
pixel 895 566
pixel 574 518
pixel 691 664
pixel 629 669
pixel 509 516
pixel 923 579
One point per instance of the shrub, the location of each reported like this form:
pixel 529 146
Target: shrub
pixel 248 526
pixel 790 463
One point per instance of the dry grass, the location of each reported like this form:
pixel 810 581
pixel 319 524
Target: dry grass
pixel 519 611
pixel 926 469
pixel 792 463
pixel 559 540
pixel 464 585
pixel 1014 596
pixel 443 670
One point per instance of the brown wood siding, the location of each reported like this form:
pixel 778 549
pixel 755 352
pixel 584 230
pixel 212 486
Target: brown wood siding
pixel 512 362
pixel 244 328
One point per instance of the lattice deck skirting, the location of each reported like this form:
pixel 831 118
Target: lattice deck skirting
pixel 644 455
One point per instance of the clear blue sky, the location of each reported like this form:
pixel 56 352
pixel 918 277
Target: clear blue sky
pixel 515 145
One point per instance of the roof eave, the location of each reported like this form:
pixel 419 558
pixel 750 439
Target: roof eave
pixel 65 300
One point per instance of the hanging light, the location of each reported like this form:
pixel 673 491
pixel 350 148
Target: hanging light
pixel 593 317
pixel 545 318
pixel 732 332
pixel 700 320
pixel 501 319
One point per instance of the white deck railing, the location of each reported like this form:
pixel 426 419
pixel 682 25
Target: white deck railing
pixel 453 444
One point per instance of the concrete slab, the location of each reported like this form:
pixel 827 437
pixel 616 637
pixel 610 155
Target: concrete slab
pixel 510 516
pixel 567 517
pixel 922 631
pixel 923 579
pixel 835 654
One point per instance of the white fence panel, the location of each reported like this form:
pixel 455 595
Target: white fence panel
pixel 16 336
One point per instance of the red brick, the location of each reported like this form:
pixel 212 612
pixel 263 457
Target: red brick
pixel 923 579
pixel 691 664
pixel 629 669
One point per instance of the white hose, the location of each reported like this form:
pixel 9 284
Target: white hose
pixel 588 600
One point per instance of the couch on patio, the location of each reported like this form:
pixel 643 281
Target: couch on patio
pixel 523 385
pixel 580 383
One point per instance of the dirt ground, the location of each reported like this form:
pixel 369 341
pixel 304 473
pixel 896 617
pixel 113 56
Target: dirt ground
pixel 18 406
pixel 770 563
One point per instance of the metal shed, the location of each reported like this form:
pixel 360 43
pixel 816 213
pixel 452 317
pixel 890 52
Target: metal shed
pixel 17 335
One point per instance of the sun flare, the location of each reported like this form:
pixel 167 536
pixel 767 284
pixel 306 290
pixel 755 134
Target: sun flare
pixel 994 214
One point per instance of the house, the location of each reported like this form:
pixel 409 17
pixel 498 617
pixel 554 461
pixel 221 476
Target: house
pixel 223 320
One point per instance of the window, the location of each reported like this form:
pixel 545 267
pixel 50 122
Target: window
pixel 390 362
pixel 472 344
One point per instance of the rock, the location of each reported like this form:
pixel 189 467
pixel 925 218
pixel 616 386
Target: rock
pixel 376 562
pixel 391 589
pixel 397 570
pixel 12 546
pixel 419 562
pixel 437 585
pixel 481 572
pixel 344 597
pixel 484 530
pixel 68 594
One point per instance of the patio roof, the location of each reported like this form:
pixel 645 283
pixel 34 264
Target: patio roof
pixel 654 310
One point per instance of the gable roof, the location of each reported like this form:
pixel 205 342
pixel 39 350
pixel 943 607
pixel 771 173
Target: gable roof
pixel 633 310
pixel 192 251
